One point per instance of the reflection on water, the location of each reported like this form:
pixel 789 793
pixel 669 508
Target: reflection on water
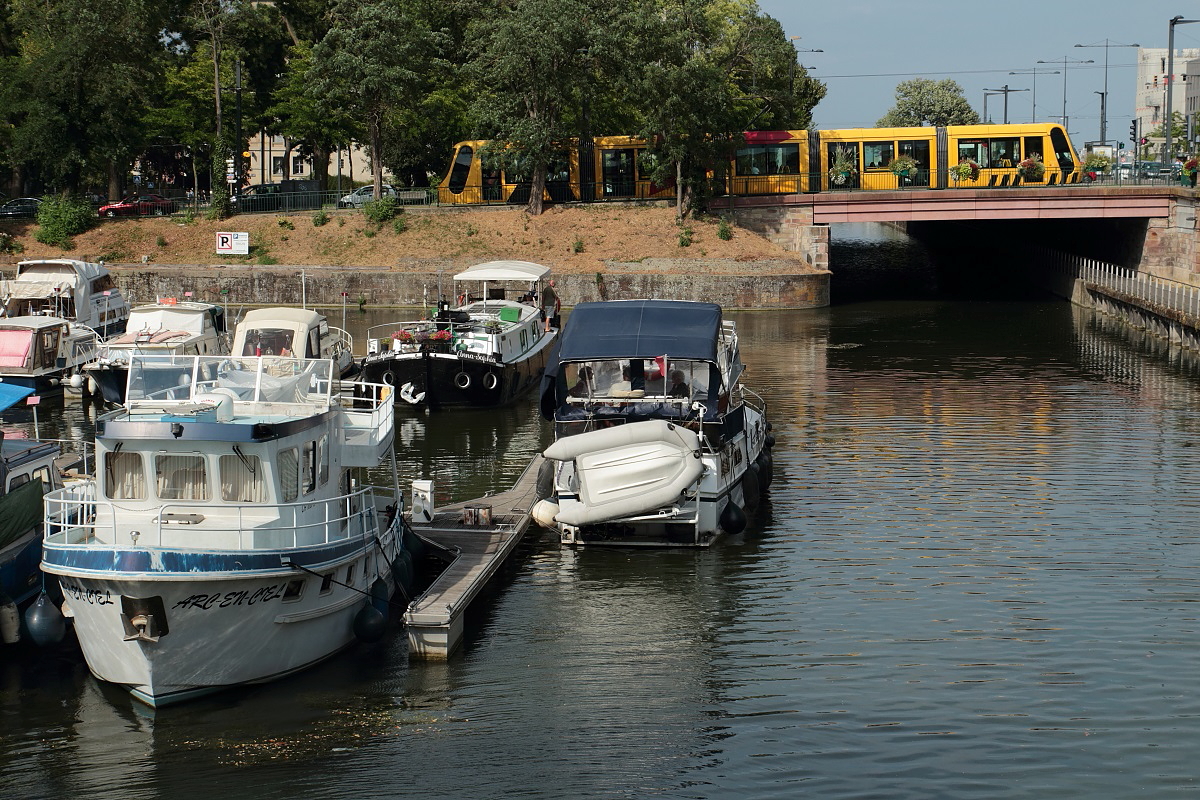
pixel 974 578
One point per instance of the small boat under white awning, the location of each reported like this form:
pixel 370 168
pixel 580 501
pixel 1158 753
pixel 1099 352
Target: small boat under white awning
pixel 504 271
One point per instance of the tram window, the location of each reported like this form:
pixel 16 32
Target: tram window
pixel 1003 152
pixel 973 150
pixel 180 477
pixel 241 479
pixel 1062 150
pixel 124 476
pixel 877 155
pixel 771 159
pixel 461 169
pixel 918 150
pixel 617 171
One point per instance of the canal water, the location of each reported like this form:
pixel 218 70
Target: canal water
pixel 976 577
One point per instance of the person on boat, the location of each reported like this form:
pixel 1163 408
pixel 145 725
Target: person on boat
pixel 679 387
pixel 551 305
pixel 585 385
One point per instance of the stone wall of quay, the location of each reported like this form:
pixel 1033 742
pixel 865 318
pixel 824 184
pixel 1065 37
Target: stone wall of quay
pixel 774 284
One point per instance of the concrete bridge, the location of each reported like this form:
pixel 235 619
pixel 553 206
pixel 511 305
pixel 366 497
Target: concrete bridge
pixel 1149 228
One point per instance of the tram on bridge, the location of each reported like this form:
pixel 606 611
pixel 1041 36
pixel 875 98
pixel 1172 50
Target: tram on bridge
pixel 607 168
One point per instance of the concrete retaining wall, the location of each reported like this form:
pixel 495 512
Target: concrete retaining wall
pixel 733 284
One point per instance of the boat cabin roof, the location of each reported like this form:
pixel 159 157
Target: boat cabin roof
pixel 504 271
pixel 68 268
pixel 36 322
pixel 620 329
pixel 295 316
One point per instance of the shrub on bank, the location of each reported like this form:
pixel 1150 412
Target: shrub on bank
pixel 61 218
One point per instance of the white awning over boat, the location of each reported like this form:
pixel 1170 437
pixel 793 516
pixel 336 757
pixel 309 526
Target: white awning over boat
pixel 34 290
pixel 504 271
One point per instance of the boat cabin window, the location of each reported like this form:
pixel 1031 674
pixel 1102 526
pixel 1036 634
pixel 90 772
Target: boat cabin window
pixel 49 348
pixel 124 476
pixel 180 477
pixel 242 479
pixel 268 342
pixel 40 474
pixel 308 474
pixel 323 460
pixel 314 344
pixel 288 464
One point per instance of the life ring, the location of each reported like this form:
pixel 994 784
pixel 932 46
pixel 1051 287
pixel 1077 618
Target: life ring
pixel 490 381
pixel 462 380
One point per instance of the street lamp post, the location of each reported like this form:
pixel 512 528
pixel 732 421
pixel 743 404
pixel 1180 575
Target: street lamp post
pixel 1103 96
pixel 1034 72
pixel 1066 61
pixel 1169 117
pixel 986 94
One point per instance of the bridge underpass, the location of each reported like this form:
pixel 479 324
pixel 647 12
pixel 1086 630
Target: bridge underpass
pixel 1148 228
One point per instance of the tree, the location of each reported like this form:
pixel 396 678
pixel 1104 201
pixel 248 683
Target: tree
pixel 921 102
pixel 529 65
pixel 80 85
pixel 370 62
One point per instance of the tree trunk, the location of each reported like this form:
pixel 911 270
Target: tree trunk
pixel 537 187
pixel 376 133
pixel 321 165
pixel 680 191
pixel 114 182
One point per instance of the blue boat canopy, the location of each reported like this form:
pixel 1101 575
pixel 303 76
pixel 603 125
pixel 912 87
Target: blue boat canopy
pixel 647 329
pixel 11 394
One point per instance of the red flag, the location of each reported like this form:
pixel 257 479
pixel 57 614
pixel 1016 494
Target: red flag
pixel 33 400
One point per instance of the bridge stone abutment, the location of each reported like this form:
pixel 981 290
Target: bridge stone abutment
pixel 791 227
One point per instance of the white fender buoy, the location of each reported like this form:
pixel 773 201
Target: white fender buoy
pixel 544 512
pixel 10 621
pixel 76 381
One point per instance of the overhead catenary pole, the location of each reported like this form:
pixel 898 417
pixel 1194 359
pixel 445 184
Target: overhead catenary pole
pixel 1034 72
pixel 1065 62
pixel 1004 91
pixel 1103 112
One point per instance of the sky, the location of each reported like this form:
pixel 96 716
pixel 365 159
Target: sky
pixel 870 46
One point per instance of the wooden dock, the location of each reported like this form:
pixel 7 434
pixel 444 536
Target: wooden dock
pixel 435 619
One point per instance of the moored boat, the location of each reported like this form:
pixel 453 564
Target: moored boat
pixel 81 292
pixel 224 540
pixel 657 442
pixel 44 353
pixel 165 327
pixel 293 332
pixel 487 351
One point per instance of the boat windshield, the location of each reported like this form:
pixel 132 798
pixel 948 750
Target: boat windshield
pixel 621 379
pixel 159 379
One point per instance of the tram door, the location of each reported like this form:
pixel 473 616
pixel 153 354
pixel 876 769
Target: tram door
pixel 618 172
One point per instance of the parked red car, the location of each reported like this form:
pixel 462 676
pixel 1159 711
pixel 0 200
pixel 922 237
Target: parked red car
pixel 139 205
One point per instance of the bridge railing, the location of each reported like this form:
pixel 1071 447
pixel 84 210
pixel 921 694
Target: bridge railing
pixel 1151 290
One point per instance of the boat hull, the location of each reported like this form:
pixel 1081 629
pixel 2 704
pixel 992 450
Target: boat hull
pixel 213 631
pixel 447 380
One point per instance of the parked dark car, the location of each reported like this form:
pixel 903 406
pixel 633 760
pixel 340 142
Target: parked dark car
pixel 288 195
pixel 139 205
pixel 263 197
pixel 20 208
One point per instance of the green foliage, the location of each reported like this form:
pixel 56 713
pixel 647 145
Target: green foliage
pixel 922 101
pixel 724 230
pixel 577 247
pixel 320 219
pixel 1097 162
pixel 161 241
pixel 400 224
pixel 60 218
pixel 685 237
pixel 286 224
pixel 370 232
pixel 381 210
pixel 9 245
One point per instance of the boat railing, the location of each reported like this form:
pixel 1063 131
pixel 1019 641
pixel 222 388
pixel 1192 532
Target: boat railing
pixel 344 341
pixel 75 516
pixel 274 379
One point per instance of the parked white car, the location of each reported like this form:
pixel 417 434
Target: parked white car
pixel 364 194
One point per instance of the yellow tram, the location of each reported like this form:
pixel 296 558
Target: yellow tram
pixel 784 162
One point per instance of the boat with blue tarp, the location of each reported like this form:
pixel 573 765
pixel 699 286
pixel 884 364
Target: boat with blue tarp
pixel 657 442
